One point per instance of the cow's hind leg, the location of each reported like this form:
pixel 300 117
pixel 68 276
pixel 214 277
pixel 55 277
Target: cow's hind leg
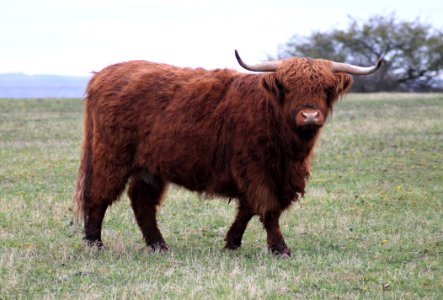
pixel 105 188
pixel 235 234
pixel 276 242
pixel 145 192
pixel 93 224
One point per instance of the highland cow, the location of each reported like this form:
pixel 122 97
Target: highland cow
pixel 243 136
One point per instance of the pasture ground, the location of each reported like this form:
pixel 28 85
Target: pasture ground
pixel 370 225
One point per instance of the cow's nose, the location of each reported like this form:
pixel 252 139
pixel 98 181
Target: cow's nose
pixel 310 117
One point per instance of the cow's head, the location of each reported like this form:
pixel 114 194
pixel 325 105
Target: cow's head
pixel 307 88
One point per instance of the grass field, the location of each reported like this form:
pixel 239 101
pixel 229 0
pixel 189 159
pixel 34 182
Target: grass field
pixel 370 225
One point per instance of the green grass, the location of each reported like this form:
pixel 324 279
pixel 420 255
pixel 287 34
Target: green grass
pixel 370 225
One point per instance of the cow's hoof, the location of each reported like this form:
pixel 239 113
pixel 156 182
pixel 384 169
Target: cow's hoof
pixel 232 244
pixel 159 246
pixel 282 252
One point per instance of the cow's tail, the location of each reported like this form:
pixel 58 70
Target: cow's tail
pixel 83 185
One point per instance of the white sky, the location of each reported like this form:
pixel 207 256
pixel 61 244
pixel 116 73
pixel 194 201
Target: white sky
pixel 75 37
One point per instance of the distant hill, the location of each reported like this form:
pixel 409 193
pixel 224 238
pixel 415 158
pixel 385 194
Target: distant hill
pixel 18 85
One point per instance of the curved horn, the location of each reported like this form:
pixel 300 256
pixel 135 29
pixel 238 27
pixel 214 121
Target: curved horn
pixel 270 66
pixel 356 70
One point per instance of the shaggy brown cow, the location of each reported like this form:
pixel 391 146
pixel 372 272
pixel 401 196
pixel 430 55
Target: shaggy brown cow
pixel 220 132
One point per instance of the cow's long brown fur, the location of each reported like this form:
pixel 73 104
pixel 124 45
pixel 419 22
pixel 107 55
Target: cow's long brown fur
pixel 220 132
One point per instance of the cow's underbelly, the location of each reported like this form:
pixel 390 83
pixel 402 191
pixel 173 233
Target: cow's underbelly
pixel 202 180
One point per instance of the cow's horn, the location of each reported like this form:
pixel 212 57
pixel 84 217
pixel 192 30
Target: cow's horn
pixel 356 70
pixel 270 66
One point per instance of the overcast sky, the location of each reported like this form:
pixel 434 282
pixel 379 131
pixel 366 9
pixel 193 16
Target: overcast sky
pixel 79 36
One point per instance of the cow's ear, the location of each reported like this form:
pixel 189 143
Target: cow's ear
pixel 341 87
pixel 344 84
pixel 274 86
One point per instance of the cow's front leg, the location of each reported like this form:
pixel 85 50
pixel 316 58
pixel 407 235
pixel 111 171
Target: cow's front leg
pixel 235 234
pixel 276 242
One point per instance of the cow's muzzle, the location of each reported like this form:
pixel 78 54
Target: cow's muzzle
pixel 309 118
